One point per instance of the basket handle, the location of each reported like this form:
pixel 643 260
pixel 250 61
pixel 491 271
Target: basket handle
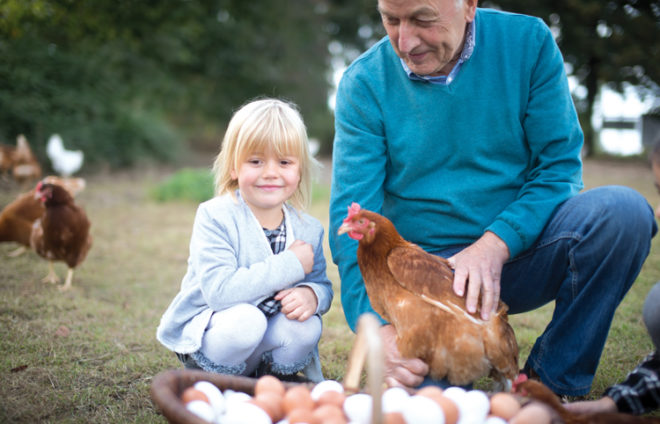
pixel 368 343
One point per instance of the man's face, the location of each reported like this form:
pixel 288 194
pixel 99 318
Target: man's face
pixel 427 34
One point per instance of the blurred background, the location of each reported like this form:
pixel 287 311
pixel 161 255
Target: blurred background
pixel 126 80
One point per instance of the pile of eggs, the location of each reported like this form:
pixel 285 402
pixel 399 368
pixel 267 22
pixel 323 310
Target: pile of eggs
pixel 326 403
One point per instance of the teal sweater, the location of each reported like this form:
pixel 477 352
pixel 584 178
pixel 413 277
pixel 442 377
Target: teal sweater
pixel 496 150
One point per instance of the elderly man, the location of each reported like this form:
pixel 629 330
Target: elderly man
pixel 459 127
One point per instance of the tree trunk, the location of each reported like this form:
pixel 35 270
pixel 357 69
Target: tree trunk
pixel 591 83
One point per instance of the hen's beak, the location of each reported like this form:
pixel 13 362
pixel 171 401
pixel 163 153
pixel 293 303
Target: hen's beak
pixel 345 228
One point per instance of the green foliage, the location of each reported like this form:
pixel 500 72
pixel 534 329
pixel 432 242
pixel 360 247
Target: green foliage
pixel 187 184
pixel 124 80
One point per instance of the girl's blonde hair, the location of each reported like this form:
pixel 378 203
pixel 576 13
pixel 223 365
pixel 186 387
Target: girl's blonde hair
pixel 258 126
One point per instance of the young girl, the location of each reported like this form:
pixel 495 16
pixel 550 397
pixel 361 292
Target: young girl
pixel 251 300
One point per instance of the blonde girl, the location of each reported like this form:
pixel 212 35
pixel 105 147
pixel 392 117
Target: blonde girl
pixel 256 286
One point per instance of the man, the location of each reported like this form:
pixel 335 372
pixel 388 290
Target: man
pixel 459 127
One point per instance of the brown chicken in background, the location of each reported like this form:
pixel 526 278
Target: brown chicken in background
pixel 62 232
pixel 6 160
pixel 25 167
pixel 17 217
pixel 412 290
pixel 538 392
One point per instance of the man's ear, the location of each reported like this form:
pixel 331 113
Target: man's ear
pixel 470 10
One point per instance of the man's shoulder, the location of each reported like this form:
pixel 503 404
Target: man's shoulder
pixel 507 20
pixel 373 57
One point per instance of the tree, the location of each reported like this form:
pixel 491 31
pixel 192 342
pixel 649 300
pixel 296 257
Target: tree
pixel 604 42
pixel 123 79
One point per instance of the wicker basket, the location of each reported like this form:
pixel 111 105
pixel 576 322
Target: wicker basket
pixel 167 386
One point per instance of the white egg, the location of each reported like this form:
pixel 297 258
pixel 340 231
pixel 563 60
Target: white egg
pixel 394 399
pixel 233 396
pixel 477 407
pixel 202 409
pixel 324 386
pixel 423 410
pixel 216 399
pixel 457 394
pixel 494 420
pixel 244 413
pixel 358 407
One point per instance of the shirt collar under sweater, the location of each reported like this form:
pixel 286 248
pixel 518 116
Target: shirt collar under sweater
pixel 468 48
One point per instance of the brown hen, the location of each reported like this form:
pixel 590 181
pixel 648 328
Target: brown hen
pixel 537 391
pixel 62 232
pixel 412 290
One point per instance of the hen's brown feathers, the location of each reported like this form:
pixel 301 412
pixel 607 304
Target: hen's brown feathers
pixel 412 289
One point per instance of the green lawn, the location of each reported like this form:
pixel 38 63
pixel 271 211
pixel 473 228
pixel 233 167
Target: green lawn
pixel 88 355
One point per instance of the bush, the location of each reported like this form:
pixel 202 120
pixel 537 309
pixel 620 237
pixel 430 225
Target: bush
pixel 187 184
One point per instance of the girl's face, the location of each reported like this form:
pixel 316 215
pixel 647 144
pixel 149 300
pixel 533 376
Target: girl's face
pixel 266 181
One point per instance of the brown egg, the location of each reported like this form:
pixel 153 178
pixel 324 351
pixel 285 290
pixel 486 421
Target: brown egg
pixel 450 409
pixel 532 413
pixel 297 397
pixel 330 414
pixel 431 392
pixel 504 405
pixel 393 418
pixel 191 394
pixel 302 415
pixel 270 402
pixel 268 383
pixel 331 398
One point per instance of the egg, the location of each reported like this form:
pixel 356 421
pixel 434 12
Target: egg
pixel 479 405
pixel 358 407
pixel 324 386
pixel 457 395
pixel 234 396
pixel 270 402
pixel 301 415
pixel 504 405
pixel 329 414
pixel 533 413
pixel 423 410
pixel 494 420
pixel 201 409
pixel 269 383
pixel 432 392
pixel 191 394
pixel 245 412
pixel 394 399
pixel 393 418
pixel 297 397
pixel 450 409
pixel 214 395
pixel 331 397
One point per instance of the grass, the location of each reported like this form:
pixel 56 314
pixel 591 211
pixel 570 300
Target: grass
pixel 88 355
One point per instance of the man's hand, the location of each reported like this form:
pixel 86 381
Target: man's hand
pixel 400 371
pixel 479 266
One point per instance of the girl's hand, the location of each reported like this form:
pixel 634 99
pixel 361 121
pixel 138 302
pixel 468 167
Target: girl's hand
pixel 304 253
pixel 298 303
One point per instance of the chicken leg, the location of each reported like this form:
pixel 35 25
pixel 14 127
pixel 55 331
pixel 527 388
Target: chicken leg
pixel 52 276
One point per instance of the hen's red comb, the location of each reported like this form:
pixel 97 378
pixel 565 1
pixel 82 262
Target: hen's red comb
pixel 352 211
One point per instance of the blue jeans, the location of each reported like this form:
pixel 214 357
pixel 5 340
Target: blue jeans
pixel 586 259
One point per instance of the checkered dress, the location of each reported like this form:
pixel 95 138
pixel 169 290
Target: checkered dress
pixel 277 239
pixel 640 392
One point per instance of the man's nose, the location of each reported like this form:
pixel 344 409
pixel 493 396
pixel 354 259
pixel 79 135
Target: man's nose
pixel 408 39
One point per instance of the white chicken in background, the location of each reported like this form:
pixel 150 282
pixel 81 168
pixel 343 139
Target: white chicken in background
pixel 65 162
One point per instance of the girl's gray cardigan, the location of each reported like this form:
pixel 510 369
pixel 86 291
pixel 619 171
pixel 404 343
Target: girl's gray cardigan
pixel 231 262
